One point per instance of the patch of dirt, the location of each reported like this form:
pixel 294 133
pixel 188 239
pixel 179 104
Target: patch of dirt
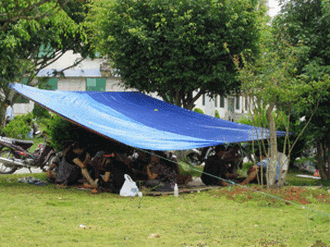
pixel 271 196
pixel 295 194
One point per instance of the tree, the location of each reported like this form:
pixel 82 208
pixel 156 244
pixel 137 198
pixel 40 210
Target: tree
pixel 272 82
pixel 307 23
pixel 176 48
pixel 36 33
pixel 293 122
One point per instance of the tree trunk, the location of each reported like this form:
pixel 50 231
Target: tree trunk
pixel 323 158
pixel 271 169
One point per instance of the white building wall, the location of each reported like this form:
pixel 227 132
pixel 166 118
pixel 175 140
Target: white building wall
pixel 23 108
pixel 209 108
pixel 206 104
pixel 114 84
pixel 232 109
pixel 71 84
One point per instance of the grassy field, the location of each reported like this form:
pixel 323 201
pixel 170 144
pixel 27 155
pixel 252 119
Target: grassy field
pixel 47 216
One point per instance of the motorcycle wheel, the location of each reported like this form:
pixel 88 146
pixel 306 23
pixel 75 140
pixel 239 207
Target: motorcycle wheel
pixel 3 168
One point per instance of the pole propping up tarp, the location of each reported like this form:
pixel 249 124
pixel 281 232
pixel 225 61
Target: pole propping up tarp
pixel 139 120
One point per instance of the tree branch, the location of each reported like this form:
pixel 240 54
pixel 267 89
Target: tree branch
pixel 22 14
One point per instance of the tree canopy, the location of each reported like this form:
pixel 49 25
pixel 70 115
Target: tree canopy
pixel 176 48
pixel 35 33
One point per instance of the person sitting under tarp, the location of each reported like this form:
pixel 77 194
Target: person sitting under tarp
pixel 110 169
pixel 258 173
pixel 160 176
pixel 139 166
pixel 234 157
pixel 72 166
pixel 216 169
pixel 170 160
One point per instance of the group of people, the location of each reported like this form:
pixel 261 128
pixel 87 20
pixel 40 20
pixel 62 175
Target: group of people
pixel 105 170
pixel 153 169
pixel 222 167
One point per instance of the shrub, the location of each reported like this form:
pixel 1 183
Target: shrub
pixel 198 110
pixel 40 112
pixel 18 127
pixel 58 131
pixel 216 114
pixel 63 133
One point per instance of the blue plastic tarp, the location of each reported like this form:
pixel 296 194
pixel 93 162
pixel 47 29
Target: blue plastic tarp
pixel 139 120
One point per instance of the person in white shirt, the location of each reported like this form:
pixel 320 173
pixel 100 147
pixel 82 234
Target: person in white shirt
pixel 9 112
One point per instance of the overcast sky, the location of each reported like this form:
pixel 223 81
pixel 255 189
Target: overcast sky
pixel 273 7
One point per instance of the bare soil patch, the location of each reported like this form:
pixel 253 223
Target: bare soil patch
pixel 301 195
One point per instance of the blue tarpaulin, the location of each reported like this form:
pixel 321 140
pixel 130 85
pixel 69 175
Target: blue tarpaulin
pixel 139 120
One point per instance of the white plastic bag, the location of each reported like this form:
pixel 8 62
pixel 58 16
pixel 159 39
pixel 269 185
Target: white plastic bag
pixel 129 187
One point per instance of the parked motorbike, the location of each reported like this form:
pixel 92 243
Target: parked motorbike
pixel 198 156
pixel 14 155
pixel 234 155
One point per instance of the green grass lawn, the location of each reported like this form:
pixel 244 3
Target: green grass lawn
pixel 47 216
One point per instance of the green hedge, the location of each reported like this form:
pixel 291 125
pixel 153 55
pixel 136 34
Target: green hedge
pixel 198 110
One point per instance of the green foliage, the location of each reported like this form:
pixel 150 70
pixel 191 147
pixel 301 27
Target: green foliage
pixel 18 127
pixel 306 23
pixel 59 131
pixel 259 119
pixel 40 112
pixel 272 81
pixel 216 114
pixel 176 47
pixel 198 110
pixel 63 133
pixel 34 34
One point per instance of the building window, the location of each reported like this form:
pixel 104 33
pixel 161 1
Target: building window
pixel 203 99
pixel 237 102
pixel 95 84
pixel 222 102
pixel 52 83
pixel 246 103
pixel 47 83
pixel 216 101
pixel 231 104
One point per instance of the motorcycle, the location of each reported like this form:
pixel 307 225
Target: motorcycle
pixel 198 156
pixel 14 155
pixel 234 155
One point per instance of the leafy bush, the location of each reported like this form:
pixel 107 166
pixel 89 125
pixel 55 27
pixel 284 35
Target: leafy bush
pixel 58 130
pixel 18 127
pixel 40 112
pixel 216 114
pixel 63 133
pixel 198 110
